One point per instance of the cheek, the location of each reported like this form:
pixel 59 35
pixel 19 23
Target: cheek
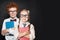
pixel 10 14
pixel 14 14
pixel 26 19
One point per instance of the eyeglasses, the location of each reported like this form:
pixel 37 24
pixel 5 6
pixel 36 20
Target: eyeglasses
pixel 13 11
pixel 24 15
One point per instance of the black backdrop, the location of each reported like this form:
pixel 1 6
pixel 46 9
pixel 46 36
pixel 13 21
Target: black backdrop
pixel 36 14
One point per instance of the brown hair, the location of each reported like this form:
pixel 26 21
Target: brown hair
pixel 10 5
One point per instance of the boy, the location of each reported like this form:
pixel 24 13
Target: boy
pixel 11 33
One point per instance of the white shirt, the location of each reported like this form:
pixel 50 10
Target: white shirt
pixel 32 30
pixel 15 32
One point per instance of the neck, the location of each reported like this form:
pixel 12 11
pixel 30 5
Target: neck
pixel 24 22
pixel 12 17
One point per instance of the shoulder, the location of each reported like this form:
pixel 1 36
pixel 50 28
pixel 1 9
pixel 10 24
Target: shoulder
pixel 31 25
pixel 8 19
pixel 17 18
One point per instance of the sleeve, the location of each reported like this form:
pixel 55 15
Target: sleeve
pixel 32 32
pixel 3 25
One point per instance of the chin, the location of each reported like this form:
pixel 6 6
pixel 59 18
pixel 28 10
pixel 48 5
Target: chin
pixel 13 16
pixel 24 20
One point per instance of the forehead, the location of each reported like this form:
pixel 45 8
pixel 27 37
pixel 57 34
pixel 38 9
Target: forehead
pixel 24 12
pixel 12 8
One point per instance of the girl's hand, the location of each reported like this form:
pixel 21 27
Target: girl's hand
pixel 24 34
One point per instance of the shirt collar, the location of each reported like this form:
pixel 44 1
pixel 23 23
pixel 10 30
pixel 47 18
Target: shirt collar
pixel 14 18
pixel 21 24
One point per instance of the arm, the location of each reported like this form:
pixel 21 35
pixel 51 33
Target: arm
pixel 4 31
pixel 24 34
pixel 32 32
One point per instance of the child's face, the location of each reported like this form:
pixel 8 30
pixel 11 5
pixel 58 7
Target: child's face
pixel 13 12
pixel 24 16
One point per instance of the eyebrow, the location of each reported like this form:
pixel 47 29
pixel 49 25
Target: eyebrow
pixel 24 14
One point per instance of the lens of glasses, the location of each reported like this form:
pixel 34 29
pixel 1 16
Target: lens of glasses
pixel 24 15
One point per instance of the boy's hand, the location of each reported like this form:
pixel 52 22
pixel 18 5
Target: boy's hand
pixel 4 32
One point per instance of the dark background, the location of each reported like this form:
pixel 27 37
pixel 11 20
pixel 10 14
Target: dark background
pixel 37 16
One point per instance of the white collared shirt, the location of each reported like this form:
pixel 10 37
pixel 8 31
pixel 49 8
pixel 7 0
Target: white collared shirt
pixel 32 30
pixel 15 32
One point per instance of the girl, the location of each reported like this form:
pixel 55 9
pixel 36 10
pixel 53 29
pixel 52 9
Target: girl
pixel 26 29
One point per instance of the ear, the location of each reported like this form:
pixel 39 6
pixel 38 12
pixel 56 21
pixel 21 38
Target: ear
pixel 28 11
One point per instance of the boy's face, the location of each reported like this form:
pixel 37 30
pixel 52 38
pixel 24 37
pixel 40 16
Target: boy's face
pixel 24 16
pixel 13 12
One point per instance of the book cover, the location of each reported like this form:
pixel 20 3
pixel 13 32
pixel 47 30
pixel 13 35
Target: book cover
pixel 9 24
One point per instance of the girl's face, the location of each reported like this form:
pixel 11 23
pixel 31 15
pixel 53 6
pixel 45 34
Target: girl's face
pixel 24 15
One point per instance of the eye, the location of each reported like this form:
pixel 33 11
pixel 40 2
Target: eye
pixel 10 12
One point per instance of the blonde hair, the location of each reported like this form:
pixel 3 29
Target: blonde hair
pixel 28 11
pixel 25 10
